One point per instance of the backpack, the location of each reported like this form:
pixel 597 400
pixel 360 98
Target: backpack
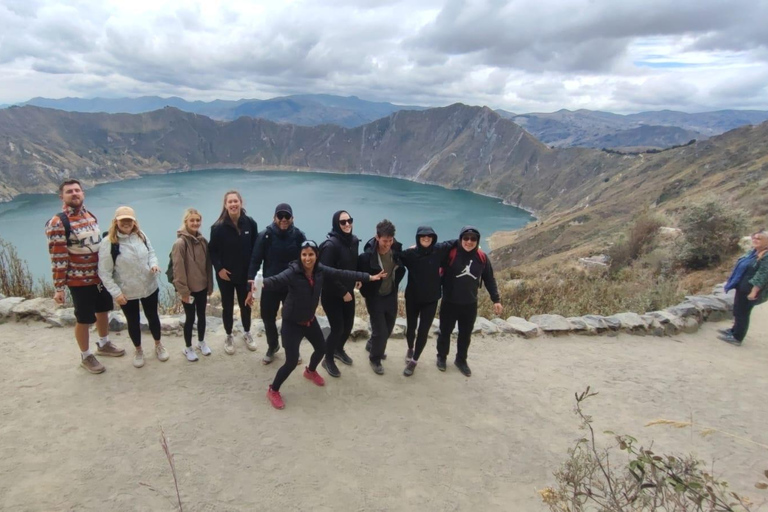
pixel 114 250
pixel 68 225
pixel 169 269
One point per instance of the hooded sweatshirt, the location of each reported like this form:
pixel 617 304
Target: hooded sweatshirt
pixel 192 270
pixel 275 249
pixel 339 251
pixel 423 264
pixel 462 277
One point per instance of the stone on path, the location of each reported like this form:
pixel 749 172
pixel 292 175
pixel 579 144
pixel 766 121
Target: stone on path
pixel 551 324
pixel 523 327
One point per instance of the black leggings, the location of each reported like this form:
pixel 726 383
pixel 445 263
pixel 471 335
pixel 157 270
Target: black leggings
pixel 292 335
pixel 465 315
pixel 423 313
pixel 132 317
pixel 269 304
pixel 228 289
pixel 198 306
pixel 742 308
pixel 341 316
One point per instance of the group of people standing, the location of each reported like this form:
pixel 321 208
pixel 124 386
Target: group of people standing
pixel 121 266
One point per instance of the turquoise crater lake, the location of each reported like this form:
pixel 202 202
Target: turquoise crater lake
pixel 160 200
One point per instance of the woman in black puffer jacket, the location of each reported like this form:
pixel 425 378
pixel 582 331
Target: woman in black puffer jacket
pixel 303 281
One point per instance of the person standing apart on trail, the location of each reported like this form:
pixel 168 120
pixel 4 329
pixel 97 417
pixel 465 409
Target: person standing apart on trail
pixel 750 280
pixel 277 246
pixel 424 262
pixel 233 236
pixel 302 282
pixel 128 268
pixel 381 254
pixel 192 278
pixel 73 244
pixel 465 271
pixel 338 299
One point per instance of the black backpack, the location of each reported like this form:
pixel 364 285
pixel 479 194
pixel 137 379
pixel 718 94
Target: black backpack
pixel 114 250
pixel 68 225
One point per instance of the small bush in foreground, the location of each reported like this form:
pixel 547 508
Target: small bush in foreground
pixel 15 277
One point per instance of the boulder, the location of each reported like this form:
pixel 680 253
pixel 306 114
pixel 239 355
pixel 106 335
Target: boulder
pixel 360 329
pixel 580 326
pixel 117 321
pixel 551 324
pixel 398 332
pixel 669 322
pixel 64 317
pixel 502 325
pixel 6 305
pixel 213 311
pixel 599 261
pixel 654 325
pixel 325 326
pixel 690 325
pixel 486 326
pixel 630 322
pixel 257 326
pixel 523 327
pixel 595 322
pixel 35 309
pixel 685 310
pixel 708 302
pixel 169 324
pixel 670 233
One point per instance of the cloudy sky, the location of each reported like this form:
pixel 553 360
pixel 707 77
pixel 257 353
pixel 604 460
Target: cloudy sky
pixel 523 56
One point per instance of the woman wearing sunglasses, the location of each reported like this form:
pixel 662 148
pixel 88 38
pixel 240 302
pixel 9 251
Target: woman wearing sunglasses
pixel 302 283
pixel 277 246
pixel 465 271
pixel 339 251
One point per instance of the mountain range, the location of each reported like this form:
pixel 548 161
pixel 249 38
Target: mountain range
pixel 582 196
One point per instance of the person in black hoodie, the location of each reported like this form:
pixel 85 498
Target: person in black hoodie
pixel 302 282
pixel 233 236
pixel 277 246
pixel 466 269
pixel 339 251
pixel 423 262
pixel 381 254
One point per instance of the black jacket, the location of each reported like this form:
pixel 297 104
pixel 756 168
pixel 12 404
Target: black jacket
pixel 232 250
pixel 463 277
pixel 368 262
pixel 275 249
pixel 339 253
pixel 423 264
pixel 300 304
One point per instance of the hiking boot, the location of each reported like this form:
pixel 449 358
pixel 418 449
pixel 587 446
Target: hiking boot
pixel 92 364
pixel 728 338
pixel 315 377
pixel 377 368
pixel 441 363
pixel 203 347
pixel 368 348
pixel 229 344
pixel 409 355
pixel 275 399
pixel 109 350
pixel 269 356
pixel 189 352
pixel 331 368
pixel 162 354
pixel 138 358
pixel 463 368
pixel 726 332
pixel 342 356
pixel 250 343
pixel 409 368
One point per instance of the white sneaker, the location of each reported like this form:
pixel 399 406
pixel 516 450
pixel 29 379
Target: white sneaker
pixel 203 347
pixel 138 358
pixel 249 341
pixel 190 353
pixel 162 354
pixel 229 345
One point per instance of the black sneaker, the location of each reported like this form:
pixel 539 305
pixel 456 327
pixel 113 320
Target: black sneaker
pixel 409 368
pixel 441 363
pixel 368 348
pixel 726 332
pixel 409 355
pixel 331 368
pixel 269 356
pixel 377 368
pixel 342 356
pixel 728 338
pixel 463 368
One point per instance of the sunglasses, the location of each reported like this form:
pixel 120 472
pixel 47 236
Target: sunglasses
pixel 470 238
pixel 283 216
pixel 344 222
pixel 308 243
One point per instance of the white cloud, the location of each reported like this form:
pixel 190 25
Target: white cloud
pixel 522 56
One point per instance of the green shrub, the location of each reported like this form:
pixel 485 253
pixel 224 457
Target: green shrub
pixel 15 277
pixel 711 232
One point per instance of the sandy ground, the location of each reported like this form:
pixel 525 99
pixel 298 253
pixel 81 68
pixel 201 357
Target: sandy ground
pixel 435 441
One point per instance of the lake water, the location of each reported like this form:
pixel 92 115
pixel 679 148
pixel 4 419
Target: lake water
pixel 160 201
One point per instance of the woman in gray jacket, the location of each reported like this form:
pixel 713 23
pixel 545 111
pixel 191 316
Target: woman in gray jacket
pixel 128 269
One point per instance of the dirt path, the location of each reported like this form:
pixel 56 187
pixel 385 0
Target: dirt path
pixel 435 441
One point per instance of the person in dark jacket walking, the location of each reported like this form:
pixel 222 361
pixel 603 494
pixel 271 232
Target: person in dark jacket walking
pixel 277 246
pixel 233 236
pixel 750 280
pixel 302 282
pixel 423 262
pixel 465 271
pixel 339 251
pixel 381 254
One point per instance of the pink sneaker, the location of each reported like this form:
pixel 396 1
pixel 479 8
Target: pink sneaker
pixel 314 377
pixel 275 399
